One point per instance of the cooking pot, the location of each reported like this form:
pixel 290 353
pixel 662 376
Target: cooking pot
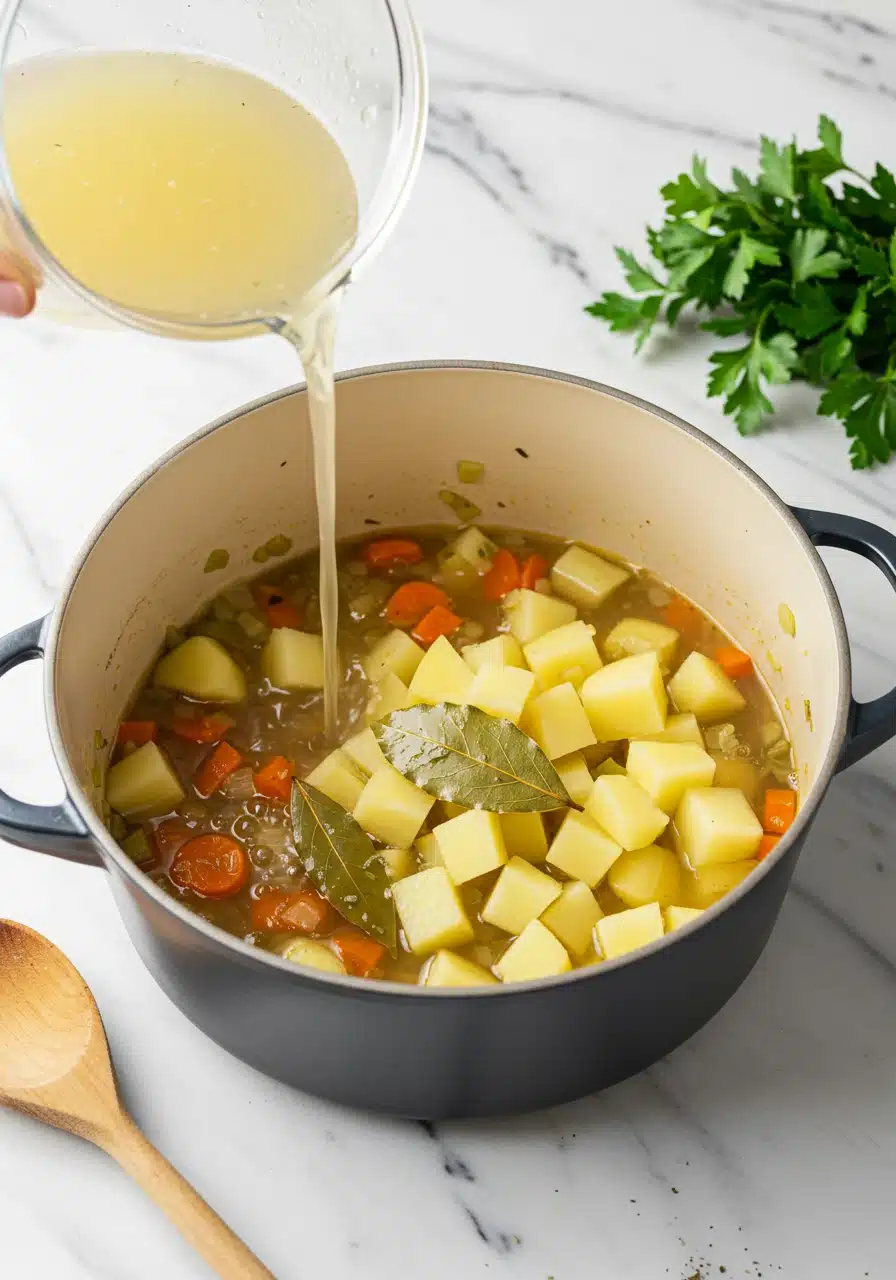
pixel 564 456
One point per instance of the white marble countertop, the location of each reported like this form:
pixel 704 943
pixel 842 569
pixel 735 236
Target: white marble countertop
pixel 766 1146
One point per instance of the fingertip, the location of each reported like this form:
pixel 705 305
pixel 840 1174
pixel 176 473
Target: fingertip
pixel 15 299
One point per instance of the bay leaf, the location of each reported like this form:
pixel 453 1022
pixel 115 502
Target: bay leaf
pixel 461 754
pixel 345 867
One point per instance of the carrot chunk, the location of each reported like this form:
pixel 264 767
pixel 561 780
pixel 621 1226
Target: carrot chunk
pixel 438 622
pixel 682 615
pixel 534 569
pixel 766 844
pixel 282 911
pixel 734 662
pixel 138 732
pixel 779 811
pixel 385 553
pixel 280 611
pixel 216 766
pixel 412 599
pixel 275 779
pixel 357 952
pixel 201 728
pixel 503 577
pixel 213 866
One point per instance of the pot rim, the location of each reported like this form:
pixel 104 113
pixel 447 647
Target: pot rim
pixel 348 985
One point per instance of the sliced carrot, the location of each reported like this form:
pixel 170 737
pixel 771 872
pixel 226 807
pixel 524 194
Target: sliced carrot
pixel 534 569
pixel 213 866
pixel 766 844
pixel 283 911
pixel 385 553
pixel 216 766
pixel 734 662
pixel 412 599
pixel 201 728
pixel 169 836
pixel 281 612
pixel 275 779
pixel 779 811
pixel 138 732
pixel 682 615
pixel 357 952
pixel 438 622
pixel 503 577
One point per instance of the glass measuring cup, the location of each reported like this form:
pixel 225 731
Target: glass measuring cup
pixel 358 65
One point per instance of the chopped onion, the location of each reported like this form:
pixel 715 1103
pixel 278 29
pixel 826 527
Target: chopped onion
pixel 771 733
pixel 275 839
pixel 543 587
pixel 240 785
pixel 659 597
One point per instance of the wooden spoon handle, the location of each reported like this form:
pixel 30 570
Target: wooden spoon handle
pixel 212 1239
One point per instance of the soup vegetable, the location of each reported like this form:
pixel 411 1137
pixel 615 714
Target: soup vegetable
pixel 548 759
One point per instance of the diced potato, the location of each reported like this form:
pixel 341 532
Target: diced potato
pixel 739 773
pixel 521 893
pixel 392 809
pixel 398 862
pixel 452 810
pixel 609 768
pixel 524 835
pixel 680 727
pixel 395 652
pixel 646 875
pixel 442 676
pixel 427 847
pixel 676 917
pixel 628 930
pixel 473 546
pixel 293 659
pixel 556 720
pixel 565 655
pixel 431 912
pixel 716 824
pixel 585 578
pixel 391 694
pixel 446 969
pixel 666 770
pixel 501 691
pixel 201 668
pixel 572 916
pixel 626 699
pixel 582 850
pixel 500 651
pixel 364 752
pixel 313 955
pixel 706 885
pixel 700 685
pixel 574 774
pixel 143 784
pixel 337 777
pixel 471 845
pixel 625 811
pixel 531 614
pixel 632 636
pixel 536 953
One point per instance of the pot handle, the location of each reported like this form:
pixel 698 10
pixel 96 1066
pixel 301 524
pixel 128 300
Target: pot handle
pixel 58 828
pixel 870 724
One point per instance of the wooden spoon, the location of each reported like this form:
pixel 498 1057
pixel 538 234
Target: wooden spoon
pixel 55 1066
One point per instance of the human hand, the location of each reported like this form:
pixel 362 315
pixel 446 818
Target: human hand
pixel 17 292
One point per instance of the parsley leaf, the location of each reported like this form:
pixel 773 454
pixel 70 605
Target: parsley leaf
pixel 806 255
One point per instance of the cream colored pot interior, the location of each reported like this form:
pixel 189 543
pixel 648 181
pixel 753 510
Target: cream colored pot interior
pixel 560 456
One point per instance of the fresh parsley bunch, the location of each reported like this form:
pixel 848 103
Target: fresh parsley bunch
pixel 807 274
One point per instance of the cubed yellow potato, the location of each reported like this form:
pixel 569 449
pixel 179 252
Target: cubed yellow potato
pixel 626 699
pixel 565 655
pixel 608 768
pixel 700 685
pixel 646 875
pixel 202 669
pixel 583 850
pixel 471 845
pixel 337 777
pixel 536 953
pixel 501 691
pixel 293 660
pixel 391 694
pixel 625 811
pixel 675 917
pixel 431 912
pixel 524 835
pixel 556 720
pixel 143 784
pixel 739 773
pixel 520 894
pixel 364 752
pixel 530 614
pixel 632 636
pixel 398 862
pixel 706 885
pixel 500 651
pixel 427 847
pixel 572 916
pixel 312 954
pixel 627 930
pixel 716 824
pixel 397 653
pixel 585 578
pixel 446 969
pixel 680 727
pixel 574 774
pixel 392 809
pixel 442 676
pixel 666 770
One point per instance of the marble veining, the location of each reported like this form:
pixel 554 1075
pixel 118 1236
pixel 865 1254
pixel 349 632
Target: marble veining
pixel 763 1148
